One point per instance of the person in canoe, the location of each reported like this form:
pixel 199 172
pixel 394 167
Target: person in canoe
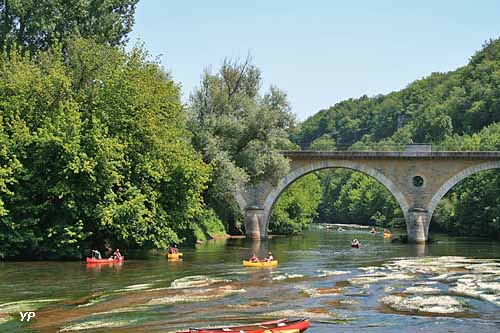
pixel 269 257
pixel 386 231
pixel 172 249
pixel 373 231
pixel 96 254
pixel 355 243
pixel 253 258
pixel 340 229
pixel 116 255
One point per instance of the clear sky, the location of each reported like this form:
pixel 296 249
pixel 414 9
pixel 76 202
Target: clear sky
pixel 319 52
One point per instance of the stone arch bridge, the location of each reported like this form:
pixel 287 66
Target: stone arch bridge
pixel 418 178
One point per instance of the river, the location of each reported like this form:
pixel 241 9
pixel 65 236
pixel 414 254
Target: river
pixel 449 286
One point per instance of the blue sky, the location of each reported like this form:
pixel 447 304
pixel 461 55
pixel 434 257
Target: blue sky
pixel 319 52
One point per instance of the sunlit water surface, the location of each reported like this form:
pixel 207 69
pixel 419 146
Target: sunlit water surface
pixel 450 286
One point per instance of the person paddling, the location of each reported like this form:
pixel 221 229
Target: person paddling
pixel 116 254
pixel 96 254
pixel 253 258
pixel 269 257
pixel 172 249
pixel 373 231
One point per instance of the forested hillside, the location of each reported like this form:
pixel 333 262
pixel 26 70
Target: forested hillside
pixel 458 110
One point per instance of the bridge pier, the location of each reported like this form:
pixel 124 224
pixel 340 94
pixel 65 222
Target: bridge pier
pixel 417 225
pixel 255 222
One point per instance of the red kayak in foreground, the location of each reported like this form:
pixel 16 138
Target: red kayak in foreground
pixel 103 261
pixel 275 326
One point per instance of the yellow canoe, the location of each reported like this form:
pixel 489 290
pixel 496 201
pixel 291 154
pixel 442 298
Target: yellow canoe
pixel 174 255
pixel 386 235
pixel 273 263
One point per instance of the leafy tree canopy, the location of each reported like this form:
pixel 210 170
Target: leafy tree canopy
pixel 36 25
pixel 93 153
pixel 239 131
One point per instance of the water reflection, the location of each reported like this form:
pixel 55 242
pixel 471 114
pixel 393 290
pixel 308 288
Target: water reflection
pixel 418 250
pixel 175 261
pixel 260 248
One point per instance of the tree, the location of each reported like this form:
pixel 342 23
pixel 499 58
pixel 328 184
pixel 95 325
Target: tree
pixel 324 142
pixel 9 166
pixel 36 25
pixel 473 206
pixel 105 158
pixel 297 206
pixel 365 201
pixel 239 132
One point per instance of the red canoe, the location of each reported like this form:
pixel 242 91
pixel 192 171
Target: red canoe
pixel 103 261
pixel 275 326
pixel 355 245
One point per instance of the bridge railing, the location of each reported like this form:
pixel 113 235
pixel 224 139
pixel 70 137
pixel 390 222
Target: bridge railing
pixel 355 147
pixel 414 147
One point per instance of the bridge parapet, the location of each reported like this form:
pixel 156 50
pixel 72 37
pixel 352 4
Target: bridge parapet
pixel 461 155
pixel 419 147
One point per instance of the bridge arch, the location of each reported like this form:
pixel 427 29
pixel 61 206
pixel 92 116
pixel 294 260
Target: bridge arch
pixel 396 170
pixel 457 178
pixel 240 200
pixel 298 173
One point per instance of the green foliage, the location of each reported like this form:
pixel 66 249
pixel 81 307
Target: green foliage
pixel 364 200
pixel 208 226
pixel 37 25
pixel 239 132
pixel 297 206
pixel 324 142
pixel 94 153
pixel 352 197
pixel 332 181
pixel 473 206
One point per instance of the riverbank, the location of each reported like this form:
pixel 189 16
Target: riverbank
pixel 346 226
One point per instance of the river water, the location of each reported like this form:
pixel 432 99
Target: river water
pixel 450 286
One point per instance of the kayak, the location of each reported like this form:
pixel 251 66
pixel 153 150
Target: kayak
pixel 273 263
pixel 387 234
pixel 103 261
pixel 275 326
pixel 174 255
